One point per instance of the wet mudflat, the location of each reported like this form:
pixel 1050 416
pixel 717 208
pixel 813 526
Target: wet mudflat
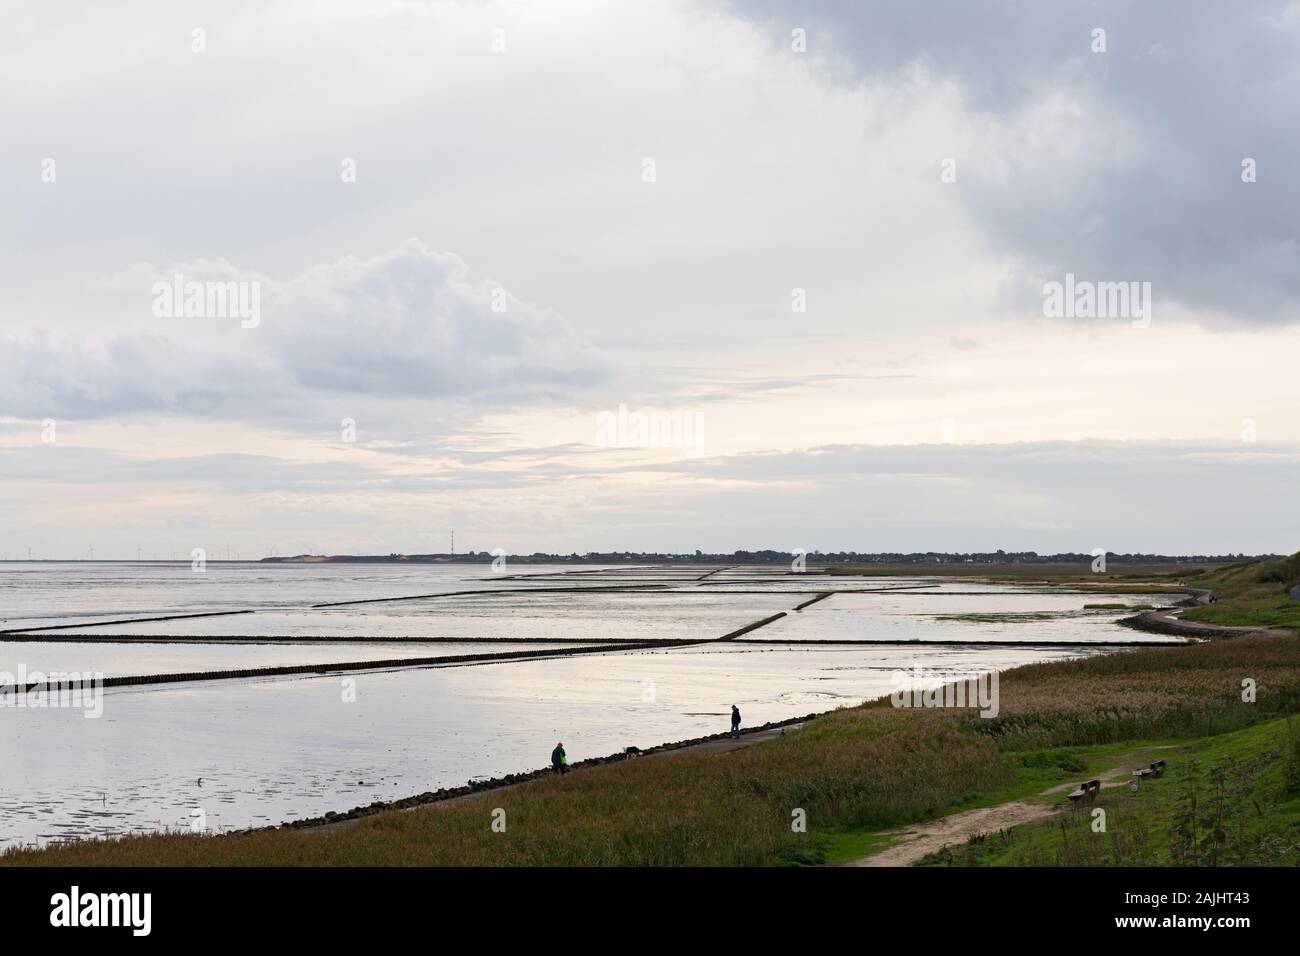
pixel 246 752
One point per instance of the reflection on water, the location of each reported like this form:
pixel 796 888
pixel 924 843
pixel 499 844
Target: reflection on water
pixel 252 752
pixel 134 659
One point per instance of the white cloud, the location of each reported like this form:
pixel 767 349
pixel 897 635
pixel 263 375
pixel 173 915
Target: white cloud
pixel 408 323
pixel 776 170
pixel 1172 497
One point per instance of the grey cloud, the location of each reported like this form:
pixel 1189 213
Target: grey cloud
pixel 412 322
pixel 44 376
pixel 409 324
pixel 1069 462
pixel 1144 182
pixel 1176 497
pixel 717 384
pixel 64 464
pixel 1046 496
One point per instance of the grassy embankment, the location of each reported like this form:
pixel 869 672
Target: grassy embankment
pixel 858 772
pixel 1253 594
pixel 1230 799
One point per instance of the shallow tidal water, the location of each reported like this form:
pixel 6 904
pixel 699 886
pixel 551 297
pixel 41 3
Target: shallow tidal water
pixel 261 750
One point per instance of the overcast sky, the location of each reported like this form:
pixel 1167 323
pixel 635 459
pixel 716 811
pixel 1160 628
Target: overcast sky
pixel 813 238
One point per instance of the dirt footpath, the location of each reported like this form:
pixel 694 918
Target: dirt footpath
pixel 925 838
pixel 918 840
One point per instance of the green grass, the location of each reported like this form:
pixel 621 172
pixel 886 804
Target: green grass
pixel 856 773
pixel 1286 571
pixel 1029 774
pixel 1252 595
pixel 869 768
pixel 845 846
pixel 1223 800
pixel 1040 776
pixel 1265 609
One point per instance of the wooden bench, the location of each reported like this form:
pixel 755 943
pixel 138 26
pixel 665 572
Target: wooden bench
pixel 1086 793
pixel 1157 769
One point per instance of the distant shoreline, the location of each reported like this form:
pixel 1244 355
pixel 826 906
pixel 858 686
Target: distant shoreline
pixel 847 562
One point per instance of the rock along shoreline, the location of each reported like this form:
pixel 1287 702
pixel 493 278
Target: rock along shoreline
pixel 509 780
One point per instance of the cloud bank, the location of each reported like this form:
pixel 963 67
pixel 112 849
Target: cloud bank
pixel 410 323
pixel 1122 164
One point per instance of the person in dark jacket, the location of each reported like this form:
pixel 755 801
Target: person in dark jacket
pixel 735 721
pixel 559 761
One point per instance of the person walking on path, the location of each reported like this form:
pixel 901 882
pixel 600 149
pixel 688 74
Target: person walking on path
pixel 559 761
pixel 735 722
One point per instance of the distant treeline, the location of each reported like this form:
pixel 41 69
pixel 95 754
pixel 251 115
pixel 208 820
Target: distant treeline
pixel 777 557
